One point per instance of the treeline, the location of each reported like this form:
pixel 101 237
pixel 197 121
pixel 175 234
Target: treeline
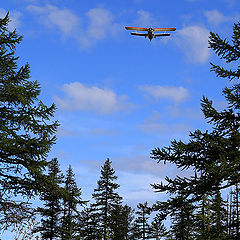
pixel 65 215
pixel 203 206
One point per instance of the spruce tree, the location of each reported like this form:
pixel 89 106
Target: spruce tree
pixel 71 200
pixel 234 223
pixel 158 230
pixel 105 198
pixel 121 222
pixel 182 227
pixel 214 155
pixel 143 213
pixel 26 131
pixel 52 196
pixel 218 229
pixel 202 219
pixel 88 225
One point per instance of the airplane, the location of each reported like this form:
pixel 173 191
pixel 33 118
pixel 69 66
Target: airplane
pixel 150 32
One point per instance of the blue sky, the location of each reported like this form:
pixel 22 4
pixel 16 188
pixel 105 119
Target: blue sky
pixel 120 96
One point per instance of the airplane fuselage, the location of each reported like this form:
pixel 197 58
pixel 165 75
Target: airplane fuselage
pixel 150 34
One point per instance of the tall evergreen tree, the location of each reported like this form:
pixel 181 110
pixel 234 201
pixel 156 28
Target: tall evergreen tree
pixel 26 131
pixel 72 199
pixel 121 222
pixel 233 225
pixel 202 219
pixel 88 225
pixel 158 230
pixel 143 213
pixel 213 155
pixel 218 214
pixel 182 227
pixel 106 197
pixel 52 195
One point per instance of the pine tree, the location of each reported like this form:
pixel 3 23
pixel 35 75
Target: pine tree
pixel 234 230
pixel 26 131
pixel 142 224
pixel 71 200
pixel 182 227
pixel 121 222
pixel 213 155
pixel 158 230
pixel 52 195
pixel 88 225
pixel 105 197
pixel 202 219
pixel 218 229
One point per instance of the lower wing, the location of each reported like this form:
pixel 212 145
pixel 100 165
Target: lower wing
pixel 161 34
pixel 139 34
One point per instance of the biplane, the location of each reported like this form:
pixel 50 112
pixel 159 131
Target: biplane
pixel 150 32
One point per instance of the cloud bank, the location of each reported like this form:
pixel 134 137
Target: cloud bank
pixel 99 23
pixel 79 97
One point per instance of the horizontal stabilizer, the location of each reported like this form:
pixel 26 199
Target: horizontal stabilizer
pixel 164 29
pixel 137 28
pixel 139 34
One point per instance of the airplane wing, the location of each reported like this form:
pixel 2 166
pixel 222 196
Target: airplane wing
pixel 137 28
pixel 164 29
pixel 139 34
pixel 161 34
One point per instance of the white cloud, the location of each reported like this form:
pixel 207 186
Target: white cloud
pixel 176 94
pixel 64 19
pixel 84 98
pixel 100 25
pixel 14 17
pixel 144 18
pixel 215 17
pixel 136 187
pixel 193 40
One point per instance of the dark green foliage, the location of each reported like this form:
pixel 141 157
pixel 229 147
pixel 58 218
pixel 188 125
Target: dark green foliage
pixel 218 215
pixel 234 212
pixel 214 156
pixel 143 213
pixel 52 195
pixel 182 227
pixel 26 131
pixel 158 230
pixel 106 198
pixel 121 222
pixel 71 200
pixel 88 225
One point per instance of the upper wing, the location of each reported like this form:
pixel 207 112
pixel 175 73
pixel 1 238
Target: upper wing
pixel 161 34
pixel 137 28
pixel 164 29
pixel 139 34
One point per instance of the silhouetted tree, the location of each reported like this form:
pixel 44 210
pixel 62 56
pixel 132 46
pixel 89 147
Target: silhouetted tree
pixel 52 195
pixel 158 230
pixel 26 132
pixel 88 225
pixel 121 222
pixel 72 199
pixel 214 156
pixel 143 213
pixel 105 197
pixel 182 227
